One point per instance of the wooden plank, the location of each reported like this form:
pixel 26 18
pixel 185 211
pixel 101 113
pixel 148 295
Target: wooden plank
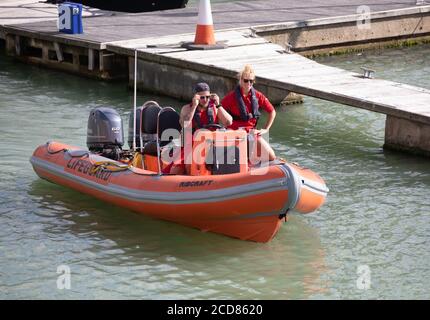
pixel 58 52
pixel 410 87
pixel 102 60
pixel 162 50
pixel 233 39
pixel 25 11
pixel 278 63
pixel 320 83
pixel 309 74
pixel 17 45
pixel 269 62
pixel 52 36
pixel 399 102
pixel 342 82
pixel 367 94
pixel 227 62
pixel 366 88
pixel 396 100
pixel 405 101
pixel 372 95
pixel 211 59
pixel 239 62
pixel 369 105
pixel 211 56
pixel 90 59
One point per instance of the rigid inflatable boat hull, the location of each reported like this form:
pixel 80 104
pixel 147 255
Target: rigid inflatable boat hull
pixel 244 206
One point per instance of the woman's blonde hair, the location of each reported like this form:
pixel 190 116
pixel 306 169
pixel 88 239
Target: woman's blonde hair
pixel 247 70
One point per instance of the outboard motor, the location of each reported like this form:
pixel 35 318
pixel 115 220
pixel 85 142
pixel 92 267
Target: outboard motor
pixel 105 134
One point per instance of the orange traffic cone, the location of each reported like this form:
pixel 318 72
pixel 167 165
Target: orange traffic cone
pixel 205 29
pixel 205 35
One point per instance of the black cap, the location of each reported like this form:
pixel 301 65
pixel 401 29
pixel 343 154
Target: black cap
pixel 202 86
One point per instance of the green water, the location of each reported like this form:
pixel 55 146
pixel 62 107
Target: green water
pixel 377 211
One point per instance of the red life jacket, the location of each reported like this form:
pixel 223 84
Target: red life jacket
pixel 205 117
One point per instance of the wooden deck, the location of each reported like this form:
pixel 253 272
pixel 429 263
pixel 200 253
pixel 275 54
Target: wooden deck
pixel 31 11
pixel 105 26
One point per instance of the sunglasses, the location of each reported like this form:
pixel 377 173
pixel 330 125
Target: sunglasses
pixel 204 97
pixel 248 80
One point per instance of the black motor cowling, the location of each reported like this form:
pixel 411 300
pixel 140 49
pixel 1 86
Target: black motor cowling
pixel 105 133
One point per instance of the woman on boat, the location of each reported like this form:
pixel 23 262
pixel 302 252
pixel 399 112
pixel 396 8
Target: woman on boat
pixel 244 104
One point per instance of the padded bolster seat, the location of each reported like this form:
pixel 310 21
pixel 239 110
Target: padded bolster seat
pixel 150 148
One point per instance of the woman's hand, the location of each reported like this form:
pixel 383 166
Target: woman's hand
pixel 261 132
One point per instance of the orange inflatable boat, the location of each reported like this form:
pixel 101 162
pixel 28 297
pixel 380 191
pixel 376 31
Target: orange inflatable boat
pixel 247 203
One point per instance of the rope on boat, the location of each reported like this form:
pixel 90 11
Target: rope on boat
pixel 115 167
pixel 54 152
pixel 108 166
pixel 105 165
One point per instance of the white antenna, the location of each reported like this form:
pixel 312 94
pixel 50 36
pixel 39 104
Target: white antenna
pixel 135 100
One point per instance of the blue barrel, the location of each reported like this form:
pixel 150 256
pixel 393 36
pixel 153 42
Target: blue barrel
pixel 70 18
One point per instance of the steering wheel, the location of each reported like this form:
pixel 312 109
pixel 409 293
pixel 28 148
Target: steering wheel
pixel 213 125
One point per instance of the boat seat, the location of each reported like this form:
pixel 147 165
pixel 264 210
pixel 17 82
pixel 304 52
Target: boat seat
pixel 146 121
pixel 149 123
pixel 168 128
pixel 149 118
pixel 150 148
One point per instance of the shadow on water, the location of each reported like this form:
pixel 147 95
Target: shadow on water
pixel 293 261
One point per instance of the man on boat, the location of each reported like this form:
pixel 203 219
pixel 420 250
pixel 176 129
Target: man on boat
pixel 204 109
pixel 204 112
pixel 244 104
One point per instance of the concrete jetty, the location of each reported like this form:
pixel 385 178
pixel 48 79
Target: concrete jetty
pixel 263 33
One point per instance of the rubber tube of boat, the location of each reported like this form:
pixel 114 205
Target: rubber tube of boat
pixel 307 191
